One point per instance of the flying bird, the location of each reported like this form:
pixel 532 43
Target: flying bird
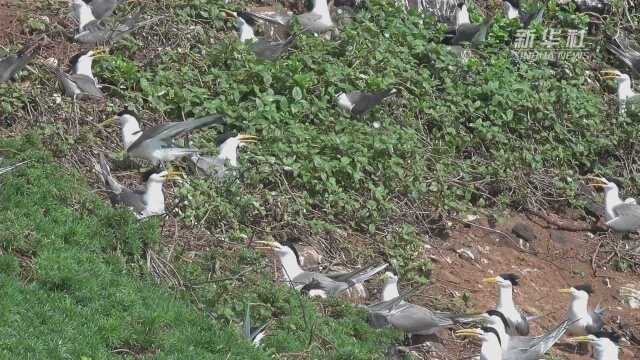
pixel 228 146
pixel 584 322
pixel 80 82
pixel 157 144
pixel 143 203
pixel 518 321
pixel 314 283
pixel 263 48
pixel 621 216
pixel 11 64
pixel 361 102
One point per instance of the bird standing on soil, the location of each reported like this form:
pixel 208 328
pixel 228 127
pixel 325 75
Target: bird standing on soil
pixel 628 100
pixel 627 50
pixel 143 203
pixel 80 82
pixel 621 216
pixel 317 284
pixel 604 344
pixel 512 10
pixel 157 144
pixel 11 64
pixel 264 49
pixel 518 321
pixel 361 102
pixel 584 321
pixel 228 146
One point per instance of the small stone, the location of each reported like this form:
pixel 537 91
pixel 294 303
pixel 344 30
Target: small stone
pixel 466 254
pixel 524 231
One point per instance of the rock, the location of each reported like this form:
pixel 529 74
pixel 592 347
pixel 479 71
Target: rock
pixel 524 231
pixel 593 209
pixel 466 254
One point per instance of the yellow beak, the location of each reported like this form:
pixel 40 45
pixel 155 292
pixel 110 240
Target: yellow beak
pixel 229 13
pixel 100 52
pixel 269 244
pixel 491 280
pixel 469 332
pixel 108 121
pixel 580 339
pixel 566 291
pixel 247 139
pixel 600 181
pixel 174 175
pixel 609 74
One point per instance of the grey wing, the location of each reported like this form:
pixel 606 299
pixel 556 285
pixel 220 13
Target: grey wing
pixel 627 209
pixel 363 102
pixel 87 85
pixel 597 318
pixel 170 130
pixel 131 199
pixel 308 19
pixel 8 67
pixel 534 347
pixel 416 319
pixel 522 327
pixel 103 8
pixel 627 217
pixel 358 276
pixel 271 50
pixel 465 33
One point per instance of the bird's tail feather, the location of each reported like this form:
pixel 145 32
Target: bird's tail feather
pixel 205 121
pixel 105 175
pixel 367 272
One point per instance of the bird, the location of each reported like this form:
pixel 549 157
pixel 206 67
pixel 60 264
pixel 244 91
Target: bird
pixel 228 145
pixel 93 31
pixel 318 20
pixel 317 284
pixel 101 8
pixel 586 322
pixel 143 203
pixel 621 216
pixel 627 50
pixel 254 334
pixel 80 82
pixel 628 100
pixel 261 47
pixel 410 318
pixel 515 347
pixel 11 64
pixel 6 169
pixel 512 10
pixel 157 144
pixel 518 321
pixel 361 102
pixel 604 344
pixel 491 348
pixel 475 34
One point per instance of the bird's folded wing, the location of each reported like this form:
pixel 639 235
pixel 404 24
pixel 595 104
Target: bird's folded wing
pixel 173 129
pixel 87 85
pixel 627 209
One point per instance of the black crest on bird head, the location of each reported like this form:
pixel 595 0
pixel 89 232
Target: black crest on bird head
pixel 512 278
pixel 154 170
pixel 611 335
pixel 617 181
pixel 314 284
pixel 289 244
pixel 87 1
pixel 74 59
pixel 514 3
pixel 460 4
pixel 247 18
pixel 585 287
pixel 488 329
pixel 225 136
pixel 499 314
pixel 127 112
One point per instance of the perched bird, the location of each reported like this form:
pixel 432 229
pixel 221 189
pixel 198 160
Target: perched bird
pixel 254 334
pixel 627 50
pixel 93 31
pixel 460 17
pixel 143 203
pixel 318 20
pixel 620 216
pixel 518 321
pixel 317 284
pixel 518 347
pixel 491 348
pixel 410 318
pixel 605 344
pixel 512 10
pixel 361 102
pixel 101 8
pixel 584 321
pixel 80 82
pixel 628 100
pixel 11 64
pixel 228 146
pixel 263 48
pixel 157 143
pixel 475 34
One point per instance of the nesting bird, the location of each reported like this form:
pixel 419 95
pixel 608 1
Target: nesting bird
pixel 317 284
pixel 361 102
pixel 584 322
pixel 93 31
pixel 263 48
pixel 80 82
pixel 11 64
pixel 157 144
pixel 228 146
pixel 143 203
pixel 604 344
pixel 628 100
pixel 620 216
pixel 518 321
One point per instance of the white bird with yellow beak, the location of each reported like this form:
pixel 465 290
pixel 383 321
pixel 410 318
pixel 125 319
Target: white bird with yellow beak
pixel 604 344
pixel 80 82
pixel 621 216
pixel 584 322
pixel 518 321
pixel 628 100
pixel 228 146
